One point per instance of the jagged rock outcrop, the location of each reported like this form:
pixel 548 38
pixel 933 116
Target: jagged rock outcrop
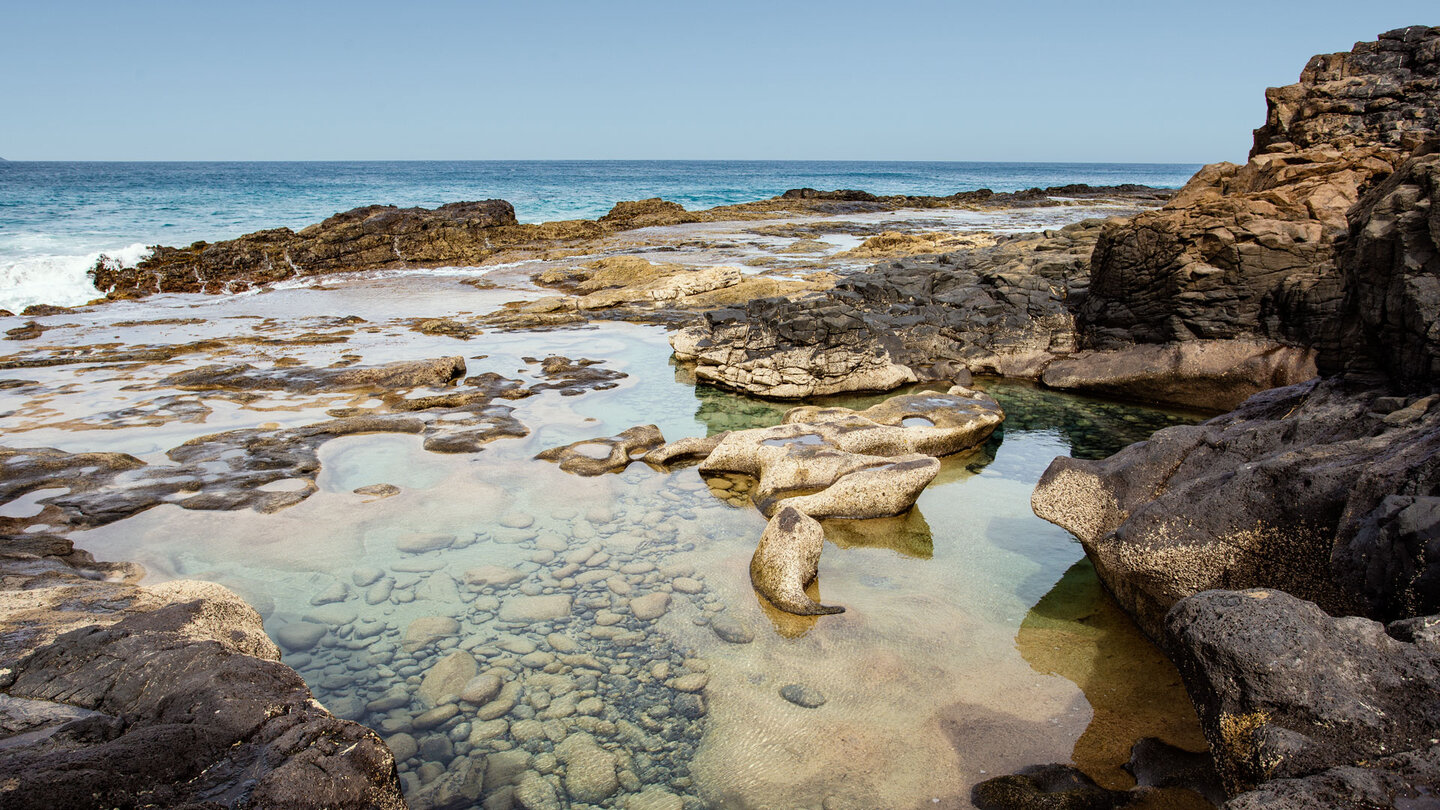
pixel 1005 310
pixel 1327 490
pixel 1337 711
pixel 372 237
pixel 1250 251
pixel 1392 262
pixel 171 696
pixel 1001 309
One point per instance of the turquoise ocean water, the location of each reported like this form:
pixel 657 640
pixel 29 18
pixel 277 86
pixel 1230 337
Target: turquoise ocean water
pixel 55 218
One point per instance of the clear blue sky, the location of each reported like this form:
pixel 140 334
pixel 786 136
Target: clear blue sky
pixel 903 79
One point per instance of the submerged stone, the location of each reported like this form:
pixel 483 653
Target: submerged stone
pixel 530 609
pixel 802 695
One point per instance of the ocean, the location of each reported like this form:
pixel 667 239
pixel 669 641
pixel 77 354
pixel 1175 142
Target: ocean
pixel 57 218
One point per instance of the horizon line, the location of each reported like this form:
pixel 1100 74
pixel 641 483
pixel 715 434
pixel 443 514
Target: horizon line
pixel 602 160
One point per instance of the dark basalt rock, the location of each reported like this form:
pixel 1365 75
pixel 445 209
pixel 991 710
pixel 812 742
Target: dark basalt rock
pixel 1326 490
pixel 574 377
pixel 1047 787
pixel 1302 488
pixel 368 238
pixel 1156 764
pixel 1392 275
pixel 1404 782
pixel 1024 198
pixel 1001 310
pixel 1005 310
pixel 26 331
pixel 1250 251
pixel 304 379
pixel 1285 692
pixel 121 696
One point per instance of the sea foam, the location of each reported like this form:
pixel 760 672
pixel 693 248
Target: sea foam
pixel 58 280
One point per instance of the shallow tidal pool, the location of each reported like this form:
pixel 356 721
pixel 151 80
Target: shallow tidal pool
pixel 523 637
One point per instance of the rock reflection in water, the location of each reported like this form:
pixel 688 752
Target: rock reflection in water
pixel 1078 632
pixel 907 534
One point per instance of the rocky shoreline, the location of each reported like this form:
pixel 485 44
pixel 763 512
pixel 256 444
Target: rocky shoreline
pixel 171 695
pixel 1283 554
pixel 1326 489
pixel 382 237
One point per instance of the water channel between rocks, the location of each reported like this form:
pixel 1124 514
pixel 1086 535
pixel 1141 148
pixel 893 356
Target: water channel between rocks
pixel 632 663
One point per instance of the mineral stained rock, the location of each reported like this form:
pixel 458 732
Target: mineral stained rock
pixel 604 455
pixel 840 463
pixel 787 560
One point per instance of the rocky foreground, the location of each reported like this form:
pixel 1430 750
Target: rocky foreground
pixel 172 696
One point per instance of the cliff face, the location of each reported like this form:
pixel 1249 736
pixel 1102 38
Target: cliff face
pixel 1329 489
pixel 1250 251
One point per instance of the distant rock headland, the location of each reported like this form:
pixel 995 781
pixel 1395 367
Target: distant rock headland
pixel 471 233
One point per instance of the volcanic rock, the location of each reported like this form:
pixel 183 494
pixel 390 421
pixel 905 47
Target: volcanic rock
pixel 1285 691
pixel 178 679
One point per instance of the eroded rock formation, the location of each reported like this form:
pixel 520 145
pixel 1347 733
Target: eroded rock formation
pixel 999 310
pixel 820 463
pixel 1330 489
pixel 1237 274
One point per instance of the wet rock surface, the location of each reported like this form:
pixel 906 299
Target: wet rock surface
pixel 841 463
pixel 1300 489
pixel 1047 787
pixel 167 696
pixel 604 455
pixel 410 374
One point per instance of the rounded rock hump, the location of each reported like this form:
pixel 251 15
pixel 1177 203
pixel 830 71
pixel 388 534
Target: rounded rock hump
pixel 787 560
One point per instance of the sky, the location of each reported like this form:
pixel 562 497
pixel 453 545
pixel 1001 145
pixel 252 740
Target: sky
pixel 1012 80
